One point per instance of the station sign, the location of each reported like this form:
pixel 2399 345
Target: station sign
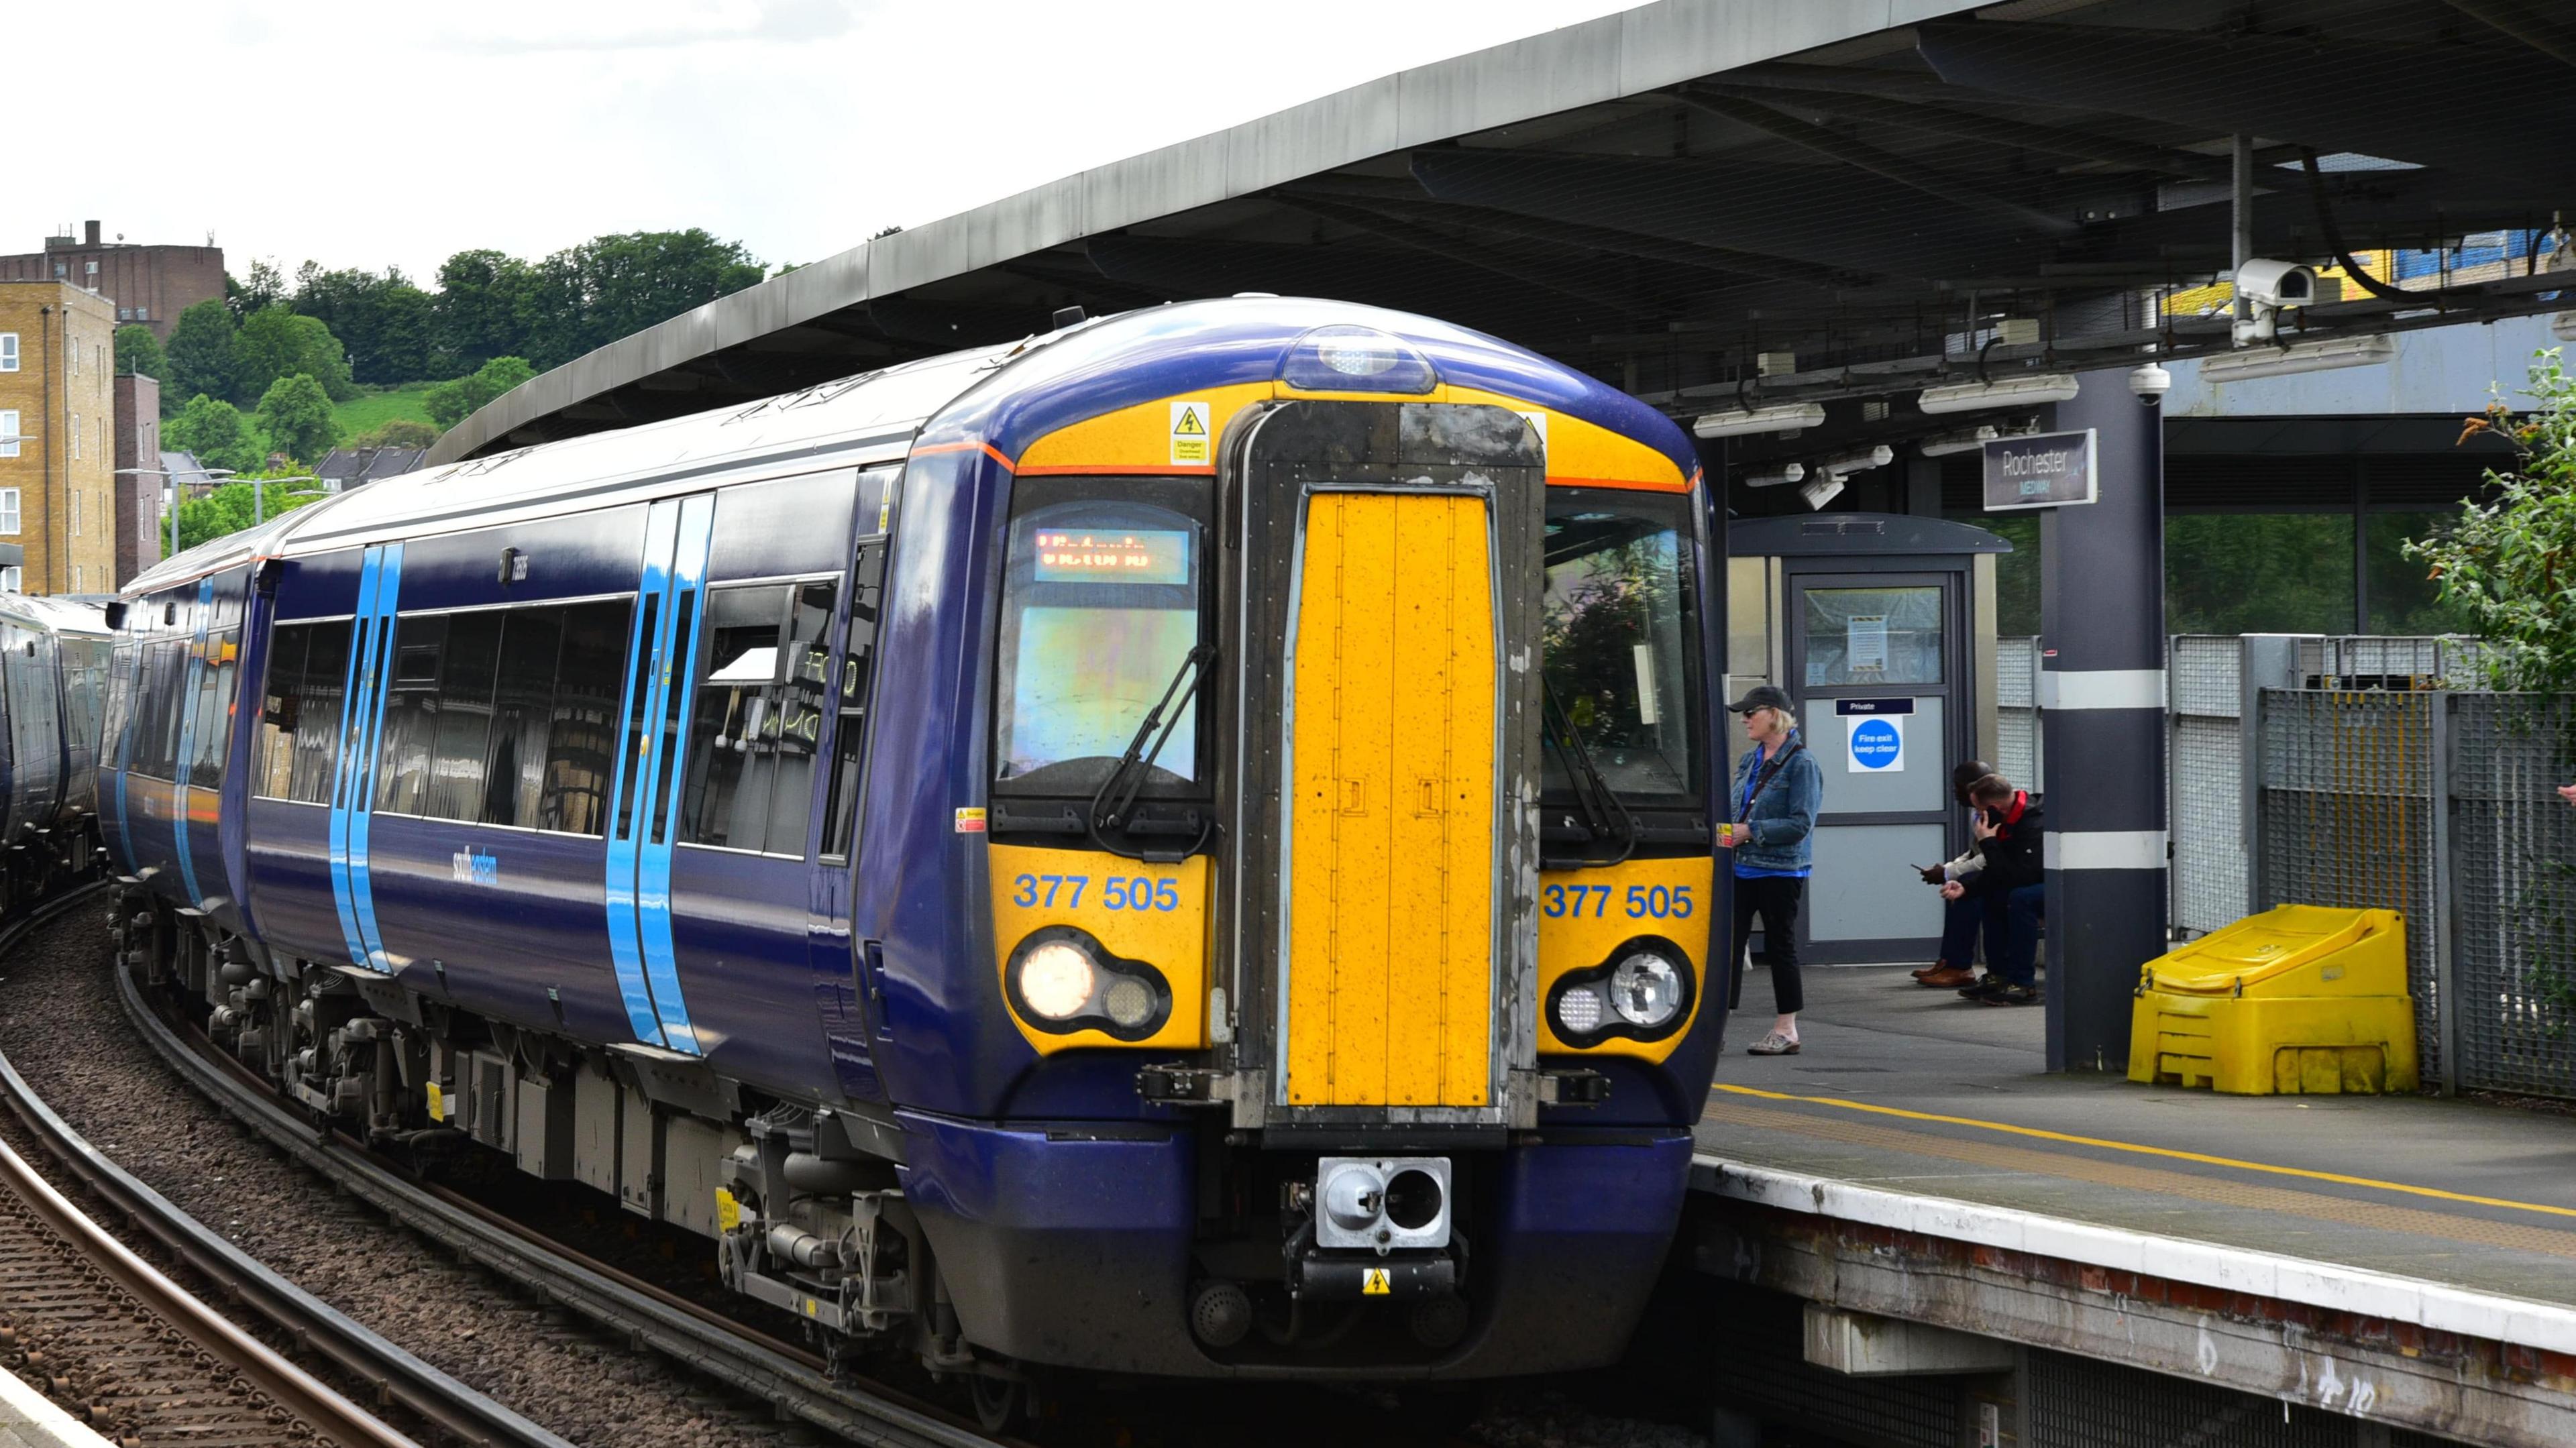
pixel 2045 470
pixel 1874 734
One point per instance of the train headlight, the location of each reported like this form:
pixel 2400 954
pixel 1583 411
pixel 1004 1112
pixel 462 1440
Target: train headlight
pixel 1061 979
pixel 1646 990
pixel 1056 979
pixel 1642 992
pixel 1345 358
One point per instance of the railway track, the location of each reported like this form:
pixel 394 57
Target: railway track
pixel 102 1330
pixel 793 1382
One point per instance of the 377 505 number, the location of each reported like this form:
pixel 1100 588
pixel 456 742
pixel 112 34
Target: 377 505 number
pixel 1645 902
pixel 1118 892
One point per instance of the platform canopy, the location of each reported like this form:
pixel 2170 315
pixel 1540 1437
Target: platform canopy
pixel 1731 203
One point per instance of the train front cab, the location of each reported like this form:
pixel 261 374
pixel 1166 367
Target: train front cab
pixel 1417 1058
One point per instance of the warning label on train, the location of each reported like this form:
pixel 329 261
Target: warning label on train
pixel 1189 432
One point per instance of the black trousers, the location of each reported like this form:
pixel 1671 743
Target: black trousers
pixel 1775 898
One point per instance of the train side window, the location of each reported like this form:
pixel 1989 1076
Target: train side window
pixel 758 715
pixel 583 729
pixel 169 708
pixel 464 722
pixel 858 665
pixel 411 715
pixel 274 775
pixel 317 712
pixel 214 705
pixel 514 771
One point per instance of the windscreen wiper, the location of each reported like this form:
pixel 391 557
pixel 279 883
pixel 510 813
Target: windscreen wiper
pixel 1604 813
pixel 1113 806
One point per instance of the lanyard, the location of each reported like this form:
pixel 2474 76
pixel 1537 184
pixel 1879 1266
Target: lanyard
pixel 1761 779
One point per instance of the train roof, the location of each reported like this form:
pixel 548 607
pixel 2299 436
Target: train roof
pixel 1004 395
pixel 54 615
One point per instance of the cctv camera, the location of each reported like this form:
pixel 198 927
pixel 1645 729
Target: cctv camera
pixel 2276 283
pixel 2150 382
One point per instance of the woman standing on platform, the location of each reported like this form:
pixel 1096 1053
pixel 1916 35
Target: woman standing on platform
pixel 1778 788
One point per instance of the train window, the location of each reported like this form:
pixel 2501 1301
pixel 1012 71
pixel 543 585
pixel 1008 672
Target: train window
pixel 1100 609
pixel 410 715
pixel 221 663
pixel 1620 639
pixel 758 715
pixel 274 775
pixel 169 705
pixel 849 740
pixel 457 753
pixel 637 692
pixel 514 770
pixel 583 728
pixel 317 711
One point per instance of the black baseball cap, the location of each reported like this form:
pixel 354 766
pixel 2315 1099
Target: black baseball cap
pixel 1761 696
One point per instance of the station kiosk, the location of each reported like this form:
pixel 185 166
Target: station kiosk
pixel 1881 626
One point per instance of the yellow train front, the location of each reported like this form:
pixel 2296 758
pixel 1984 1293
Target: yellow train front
pixel 1289 903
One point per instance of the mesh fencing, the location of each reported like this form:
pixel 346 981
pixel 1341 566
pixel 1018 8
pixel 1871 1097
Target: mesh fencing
pixel 2204 762
pixel 2017 751
pixel 2512 867
pixel 2347 819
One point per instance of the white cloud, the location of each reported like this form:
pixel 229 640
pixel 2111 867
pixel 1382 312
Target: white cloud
pixel 367 135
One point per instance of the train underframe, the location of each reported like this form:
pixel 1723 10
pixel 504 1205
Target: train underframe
pixel 1161 1248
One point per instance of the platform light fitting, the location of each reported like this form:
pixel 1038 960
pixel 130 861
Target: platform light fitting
pixel 1747 421
pixel 1822 491
pixel 1857 460
pixel 2323 355
pixel 2029 389
pixel 1958 440
pixel 1775 476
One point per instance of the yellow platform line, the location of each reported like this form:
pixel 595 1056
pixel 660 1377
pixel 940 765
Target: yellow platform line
pixel 2202 1158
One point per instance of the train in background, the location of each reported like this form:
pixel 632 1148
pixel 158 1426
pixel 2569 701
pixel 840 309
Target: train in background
pixel 53 691
pixel 1178 847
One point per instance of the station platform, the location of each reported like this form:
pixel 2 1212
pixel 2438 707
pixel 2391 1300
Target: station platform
pixel 29 1419
pixel 2406 1259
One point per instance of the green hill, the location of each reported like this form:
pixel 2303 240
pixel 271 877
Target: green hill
pixel 375 407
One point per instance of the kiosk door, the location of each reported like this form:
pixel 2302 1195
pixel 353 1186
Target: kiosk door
pixel 1878 666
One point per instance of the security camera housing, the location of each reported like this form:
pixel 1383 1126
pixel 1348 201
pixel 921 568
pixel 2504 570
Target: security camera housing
pixel 2150 382
pixel 2276 283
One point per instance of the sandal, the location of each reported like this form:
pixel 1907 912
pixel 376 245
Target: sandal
pixel 1773 1044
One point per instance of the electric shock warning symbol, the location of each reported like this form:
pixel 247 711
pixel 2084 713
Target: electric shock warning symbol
pixel 1376 1282
pixel 1189 433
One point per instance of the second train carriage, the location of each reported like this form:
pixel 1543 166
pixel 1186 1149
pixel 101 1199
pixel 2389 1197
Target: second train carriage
pixel 1181 846
pixel 53 684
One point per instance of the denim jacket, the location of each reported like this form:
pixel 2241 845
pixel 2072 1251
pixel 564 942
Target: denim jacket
pixel 1784 819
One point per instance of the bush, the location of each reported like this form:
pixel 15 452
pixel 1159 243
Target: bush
pixel 399 432
pixel 2510 565
pixel 452 402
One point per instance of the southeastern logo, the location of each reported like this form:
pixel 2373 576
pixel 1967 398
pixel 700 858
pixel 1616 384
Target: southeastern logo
pixel 473 867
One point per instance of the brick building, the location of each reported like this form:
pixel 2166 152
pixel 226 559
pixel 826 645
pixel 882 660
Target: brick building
pixel 57 437
pixel 147 284
pixel 137 510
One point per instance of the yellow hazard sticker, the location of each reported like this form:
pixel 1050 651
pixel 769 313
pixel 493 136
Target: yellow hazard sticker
pixel 1190 432
pixel 728 1211
pixel 970 821
pixel 437 1103
pixel 1376 1282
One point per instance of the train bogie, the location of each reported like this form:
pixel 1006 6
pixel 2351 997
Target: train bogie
pixel 1056 856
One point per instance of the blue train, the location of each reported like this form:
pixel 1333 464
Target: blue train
pixel 53 687
pixel 1181 846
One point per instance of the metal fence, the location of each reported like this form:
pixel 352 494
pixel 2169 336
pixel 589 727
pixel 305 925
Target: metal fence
pixel 2371 772
pixel 2017 749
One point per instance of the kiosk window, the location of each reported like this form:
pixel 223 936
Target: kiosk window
pixel 1873 636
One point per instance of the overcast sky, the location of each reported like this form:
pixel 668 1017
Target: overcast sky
pixel 376 134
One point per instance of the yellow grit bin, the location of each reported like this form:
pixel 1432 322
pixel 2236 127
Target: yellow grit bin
pixel 2298 1000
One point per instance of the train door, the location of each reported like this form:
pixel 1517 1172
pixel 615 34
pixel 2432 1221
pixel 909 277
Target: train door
pixel 676 535
pixel 369 670
pixel 849 1023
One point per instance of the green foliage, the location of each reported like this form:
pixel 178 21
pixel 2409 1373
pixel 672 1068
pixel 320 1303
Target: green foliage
pixel 229 509
pixel 398 432
pixel 261 290
pixel 386 323
pixel 481 310
pixel 215 432
pixel 279 343
pixel 2233 573
pixel 491 305
pixel 2510 565
pixel 137 350
pixel 201 352
pixel 452 402
pixel 296 414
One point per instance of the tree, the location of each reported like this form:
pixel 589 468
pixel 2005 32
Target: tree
pixel 278 343
pixel 230 508
pixel 386 323
pixel 214 431
pixel 452 402
pixel 399 432
pixel 264 288
pixel 2506 564
pixel 137 350
pixel 201 352
pixel 480 308
pixel 296 414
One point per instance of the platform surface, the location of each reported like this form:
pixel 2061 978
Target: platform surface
pixel 1915 1091
pixel 29 1419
